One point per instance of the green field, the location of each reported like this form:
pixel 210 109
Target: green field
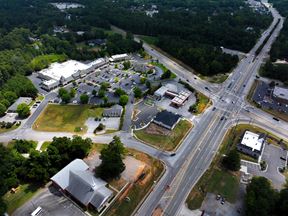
pixel 43 61
pixel 215 181
pixel 65 118
pixel 22 195
pixel 168 143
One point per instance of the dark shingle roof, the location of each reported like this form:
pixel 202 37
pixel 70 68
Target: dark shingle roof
pixel 167 118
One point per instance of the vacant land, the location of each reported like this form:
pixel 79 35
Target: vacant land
pixel 22 194
pixel 166 142
pixel 66 118
pixel 137 191
pixel 202 102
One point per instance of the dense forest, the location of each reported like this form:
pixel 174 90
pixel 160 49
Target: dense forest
pixel 194 30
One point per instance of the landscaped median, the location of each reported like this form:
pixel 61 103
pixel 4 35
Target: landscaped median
pixel 66 118
pixel 162 138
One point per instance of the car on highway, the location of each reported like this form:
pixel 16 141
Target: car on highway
pixel 172 155
pixel 222 118
pixel 214 108
pixel 276 119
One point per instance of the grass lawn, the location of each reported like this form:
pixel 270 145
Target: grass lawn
pixel 168 143
pixel 65 118
pixel 23 194
pixel 217 181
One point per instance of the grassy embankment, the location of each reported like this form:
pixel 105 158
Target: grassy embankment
pixel 170 142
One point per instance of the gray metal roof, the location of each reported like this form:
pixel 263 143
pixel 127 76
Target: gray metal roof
pixel 101 197
pixel 82 184
pixel 62 177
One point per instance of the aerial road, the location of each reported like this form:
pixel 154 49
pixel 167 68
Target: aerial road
pixel 199 148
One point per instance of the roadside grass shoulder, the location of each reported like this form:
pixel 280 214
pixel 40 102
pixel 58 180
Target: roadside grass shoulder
pixel 170 142
pixel 65 118
pixel 5 130
pixel 149 39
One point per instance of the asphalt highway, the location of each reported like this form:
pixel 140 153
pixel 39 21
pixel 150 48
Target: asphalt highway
pixel 201 146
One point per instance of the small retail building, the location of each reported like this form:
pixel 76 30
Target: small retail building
pixel 252 144
pixel 281 94
pixel 167 119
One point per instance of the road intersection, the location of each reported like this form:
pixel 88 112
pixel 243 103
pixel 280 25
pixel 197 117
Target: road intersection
pixel 196 153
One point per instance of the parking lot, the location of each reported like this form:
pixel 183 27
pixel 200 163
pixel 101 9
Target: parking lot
pixel 262 96
pixel 146 110
pixel 212 206
pixel 52 202
pixel 272 156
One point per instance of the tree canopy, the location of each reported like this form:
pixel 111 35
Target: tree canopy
pixel 111 156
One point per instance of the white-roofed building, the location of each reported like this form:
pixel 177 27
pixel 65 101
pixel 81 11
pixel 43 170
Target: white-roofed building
pixel 50 84
pixel 119 57
pixel 82 185
pixel 252 144
pixel 281 94
pixel 62 73
pixel 159 93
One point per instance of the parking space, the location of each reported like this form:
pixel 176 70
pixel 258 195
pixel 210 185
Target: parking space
pixel 214 205
pixel 52 203
pixel 145 112
pixel 272 156
pixel 263 96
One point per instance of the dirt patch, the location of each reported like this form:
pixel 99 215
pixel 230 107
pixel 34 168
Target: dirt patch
pixel 158 212
pixel 157 130
pixel 134 168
